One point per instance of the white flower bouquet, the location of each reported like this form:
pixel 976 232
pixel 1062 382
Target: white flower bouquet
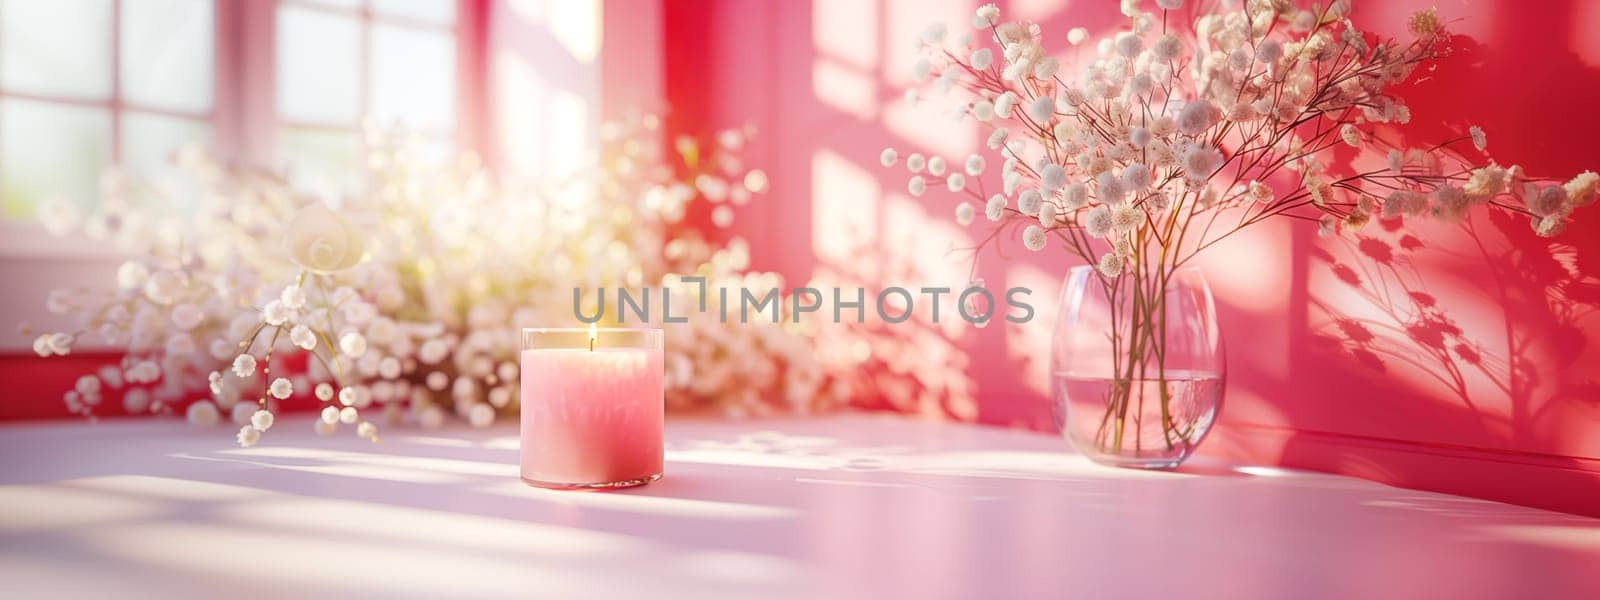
pixel 1189 125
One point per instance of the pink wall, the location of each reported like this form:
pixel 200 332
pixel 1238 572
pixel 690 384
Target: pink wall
pixel 1490 392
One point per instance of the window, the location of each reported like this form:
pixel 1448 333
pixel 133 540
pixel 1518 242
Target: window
pixel 90 83
pixel 339 63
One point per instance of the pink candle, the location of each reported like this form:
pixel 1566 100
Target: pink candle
pixel 591 407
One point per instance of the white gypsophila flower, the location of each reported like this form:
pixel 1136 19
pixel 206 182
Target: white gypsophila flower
pixel 1126 218
pixel 215 382
pixel 1550 200
pixel 248 436
pixel 1269 51
pixel 187 316
pixel 1076 195
pixel 998 138
pixel 348 396
pixel 349 415
pixel 974 164
pixel 1033 238
pixel 330 415
pixel 324 391
pixel 986 16
pixel 915 163
pixel 1110 264
pixel 1581 189
pixel 1404 202
pixel 981 58
pixel 367 431
pixel 916 185
pixel 1198 116
pixel 1128 44
pixel 1549 226
pixel 1169 4
pixel 281 388
pixel 1139 137
pixel 136 401
pixel 1010 181
pixel 995 208
pixel 1350 135
pixel 1167 47
pixel 481 415
pixel 936 166
pixel 964 213
pixel 1109 188
pixel 353 344
pixel 1136 176
pixel 132 275
pixel 389 367
pixel 1479 139
pixel 1485 181
pixel 202 414
pixel 261 420
pixel 1240 58
pixel 163 287
pixel 983 111
pixel 1098 222
pixel 1077 35
pixel 433 351
pixel 292 297
pixel 1047 214
pixel 437 381
pixel 1042 108
pixel 41 346
pixel 955 182
pixel 934 35
pixel 1259 192
pixel 276 314
pixel 324 428
pixel 302 337
pixel 244 365
pixel 1199 162
pixel 1028 202
pixel 430 417
pixel 1004 103
pixel 888 157
pixel 921 69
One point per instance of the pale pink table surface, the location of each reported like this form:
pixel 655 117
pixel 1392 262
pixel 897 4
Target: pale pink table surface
pixel 846 506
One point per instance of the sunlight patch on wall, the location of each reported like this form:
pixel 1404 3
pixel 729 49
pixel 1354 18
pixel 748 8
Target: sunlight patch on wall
pixel 845 197
pixel 844 89
pixel 846 30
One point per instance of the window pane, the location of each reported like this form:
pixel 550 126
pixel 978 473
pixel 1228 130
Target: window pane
pixel 148 145
pixel 167 54
pixel 442 12
pixel 319 66
pixel 322 161
pixel 56 48
pixel 50 150
pixel 413 78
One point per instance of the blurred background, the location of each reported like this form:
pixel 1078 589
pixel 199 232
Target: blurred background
pixel 525 84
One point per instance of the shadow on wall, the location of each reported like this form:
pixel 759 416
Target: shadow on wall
pixel 1495 364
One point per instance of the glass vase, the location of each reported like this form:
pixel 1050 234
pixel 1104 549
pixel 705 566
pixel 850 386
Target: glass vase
pixel 1137 365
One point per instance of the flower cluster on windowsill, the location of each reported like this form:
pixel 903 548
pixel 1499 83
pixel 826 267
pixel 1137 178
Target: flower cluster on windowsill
pixel 406 297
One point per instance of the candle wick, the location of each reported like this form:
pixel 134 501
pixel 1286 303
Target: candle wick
pixel 591 344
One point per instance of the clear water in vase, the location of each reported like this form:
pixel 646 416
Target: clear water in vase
pixel 1143 423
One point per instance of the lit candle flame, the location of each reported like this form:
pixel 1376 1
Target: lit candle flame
pixel 591 337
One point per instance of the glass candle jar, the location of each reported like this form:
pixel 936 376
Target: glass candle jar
pixel 592 404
